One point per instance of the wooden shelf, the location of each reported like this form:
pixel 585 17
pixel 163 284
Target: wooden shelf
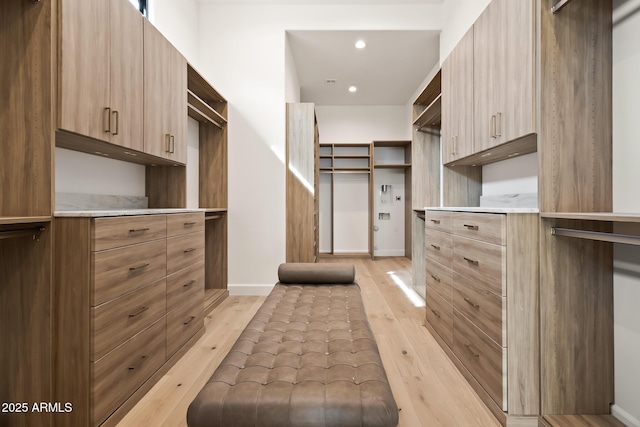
pixel 204 90
pixel 356 156
pixel 431 91
pixel 390 166
pixel 593 216
pixel 431 115
pixel 199 110
pixel 11 220
pixel 214 210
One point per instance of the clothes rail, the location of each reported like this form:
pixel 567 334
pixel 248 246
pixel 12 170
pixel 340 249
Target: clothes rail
pixel 33 231
pixel 558 6
pixel 597 235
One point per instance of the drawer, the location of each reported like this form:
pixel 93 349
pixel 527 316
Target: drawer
pixel 183 285
pixel 183 251
pixel 117 375
pixel 437 246
pixel 119 231
pixel 184 322
pixel 440 279
pixel 440 315
pixel 483 262
pixel 116 321
pixel 483 307
pixel 438 220
pixel 482 357
pixel 480 226
pixel 119 271
pixel 185 223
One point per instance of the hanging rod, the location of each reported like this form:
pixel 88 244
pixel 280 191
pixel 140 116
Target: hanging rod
pixel 34 232
pixel 596 235
pixel 558 6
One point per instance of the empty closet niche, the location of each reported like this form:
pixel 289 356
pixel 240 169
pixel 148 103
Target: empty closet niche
pixel 350 213
pixel 326 213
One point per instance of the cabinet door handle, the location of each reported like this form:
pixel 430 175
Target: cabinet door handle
pixel 435 247
pixel 189 224
pixel 471 261
pixel 138 267
pixel 139 312
pixel 471 226
pixel 492 129
pixel 116 114
pixel 436 313
pixel 173 144
pixel 139 230
pixel 471 303
pixel 167 140
pixel 499 125
pixel 435 221
pixel 186 251
pixel 131 368
pixel 189 320
pixel 476 355
pixel 107 119
pixel 191 282
pixel 453 146
pixel 435 278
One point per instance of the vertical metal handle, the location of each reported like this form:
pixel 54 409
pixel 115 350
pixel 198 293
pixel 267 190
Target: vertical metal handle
pixel 173 144
pixel 106 119
pixel 492 127
pixel 499 125
pixel 167 139
pixel 455 144
pixel 453 147
pixel 116 114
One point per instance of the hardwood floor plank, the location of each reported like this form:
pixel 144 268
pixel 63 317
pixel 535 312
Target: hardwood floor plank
pixel 427 386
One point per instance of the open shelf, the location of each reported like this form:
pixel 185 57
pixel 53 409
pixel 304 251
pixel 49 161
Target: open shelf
pixel 10 220
pixel 199 110
pixel 431 116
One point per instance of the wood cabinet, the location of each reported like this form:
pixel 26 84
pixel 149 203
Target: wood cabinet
pixel 128 295
pixel 482 303
pixel 165 97
pixel 101 71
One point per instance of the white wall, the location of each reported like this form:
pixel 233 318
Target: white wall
pixel 292 84
pixel 626 198
pixel 247 66
pixel 458 16
pixel 356 124
pixel 514 176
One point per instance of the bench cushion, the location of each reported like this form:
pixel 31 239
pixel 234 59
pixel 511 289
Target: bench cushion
pixel 307 358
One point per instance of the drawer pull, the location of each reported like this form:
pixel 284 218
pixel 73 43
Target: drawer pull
pixel 189 224
pixel 191 282
pixel 139 230
pixel 139 312
pixel 186 251
pixel 436 313
pixel 471 261
pixel 435 278
pixel 436 247
pixel 189 320
pixel 138 267
pixel 476 355
pixel 471 227
pixel 435 221
pixel 131 368
pixel 471 303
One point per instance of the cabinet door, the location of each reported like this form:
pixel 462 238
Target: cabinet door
pixel 126 75
pixel 448 116
pixel 84 68
pixel 157 56
pixel 464 63
pixel 178 106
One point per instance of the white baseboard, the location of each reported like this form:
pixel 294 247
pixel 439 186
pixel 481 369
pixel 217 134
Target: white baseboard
pixel 249 290
pixel 389 252
pixel 624 417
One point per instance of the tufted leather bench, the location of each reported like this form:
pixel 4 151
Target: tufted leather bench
pixel 307 358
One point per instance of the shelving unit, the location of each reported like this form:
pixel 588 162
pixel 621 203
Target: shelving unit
pixel 427 107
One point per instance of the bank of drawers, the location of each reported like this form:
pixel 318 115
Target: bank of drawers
pixel 466 290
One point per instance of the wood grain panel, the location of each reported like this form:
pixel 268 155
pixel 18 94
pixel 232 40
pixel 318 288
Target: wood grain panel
pixel 482 262
pixel 25 325
pixel 461 185
pixel 438 220
pixel 418 261
pixel 113 232
pixel 213 166
pixel 27 45
pixel 489 228
pixel 425 169
pixel 185 223
pixel 438 246
pixel 184 321
pixel 177 107
pixel 166 186
pixel 216 253
pixel 121 270
pixel 183 284
pixel 117 375
pixel 183 251
pixel 114 322
pixel 440 315
pixel 440 279
pixel 582 421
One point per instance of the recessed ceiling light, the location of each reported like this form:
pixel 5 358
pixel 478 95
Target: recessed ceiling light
pixel 352 88
pixel 360 44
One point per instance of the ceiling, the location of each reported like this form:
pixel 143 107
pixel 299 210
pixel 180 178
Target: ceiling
pixel 386 72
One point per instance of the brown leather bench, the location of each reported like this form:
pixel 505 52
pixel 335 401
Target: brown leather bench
pixel 307 358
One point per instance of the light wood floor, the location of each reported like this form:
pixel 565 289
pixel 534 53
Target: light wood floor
pixel 426 385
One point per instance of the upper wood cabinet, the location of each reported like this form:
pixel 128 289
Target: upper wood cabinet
pixel 165 97
pixel 101 71
pixel 504 79
pixel 457 108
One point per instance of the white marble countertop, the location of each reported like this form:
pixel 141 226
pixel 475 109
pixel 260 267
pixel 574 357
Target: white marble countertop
pixel 485 209
pixel 122 212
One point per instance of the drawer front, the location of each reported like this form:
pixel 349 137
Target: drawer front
pixel 185 223
pixel 483 307
pixel 440 280
pixel 438 220
pixel 183 251
pixel 183 285
pixel 122 270
pixel 117 375
pixel 437 246
pixel 109 233
pixel 184 322
pixel 480 226
pixel 480 261
pixel 116 321
pixel 440 315
pixel 482 357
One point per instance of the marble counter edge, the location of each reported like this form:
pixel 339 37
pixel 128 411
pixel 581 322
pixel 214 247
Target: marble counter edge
pixel 484 209
pixel 124 212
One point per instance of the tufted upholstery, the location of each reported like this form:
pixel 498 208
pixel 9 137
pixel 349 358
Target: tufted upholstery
pixel 307 358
